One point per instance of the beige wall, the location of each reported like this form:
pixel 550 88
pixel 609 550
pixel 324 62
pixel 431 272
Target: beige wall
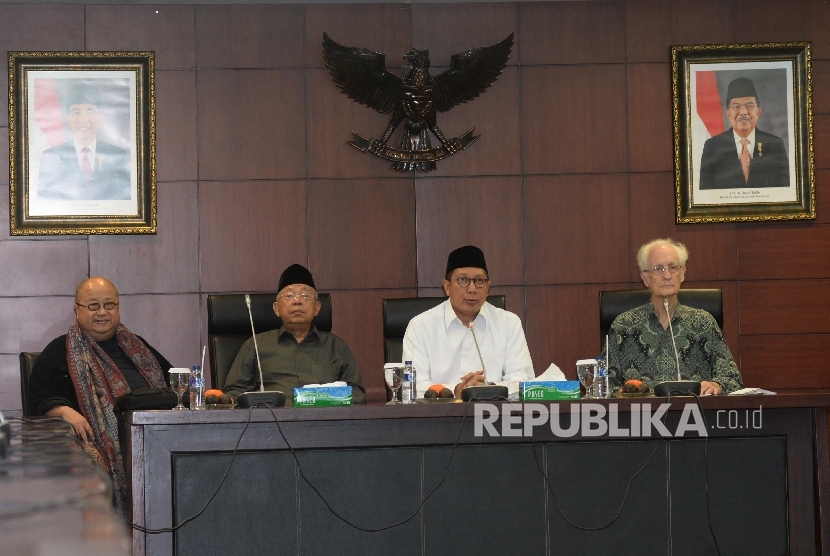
pixel 572 172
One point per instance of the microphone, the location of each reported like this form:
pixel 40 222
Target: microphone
pixel 664 389
pixel 273 398
pixel 485 392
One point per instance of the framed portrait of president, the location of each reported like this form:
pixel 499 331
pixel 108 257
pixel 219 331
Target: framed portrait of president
pixel 743 132
pixel 82 143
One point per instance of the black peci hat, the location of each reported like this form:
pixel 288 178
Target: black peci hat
pixel 741 87
pixel 464 257
pixel 295 274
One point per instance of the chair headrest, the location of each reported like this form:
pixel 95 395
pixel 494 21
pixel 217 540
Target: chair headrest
pixel 228 313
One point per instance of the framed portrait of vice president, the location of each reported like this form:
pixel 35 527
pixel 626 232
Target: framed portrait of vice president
pixel 82 143
pixel 743 132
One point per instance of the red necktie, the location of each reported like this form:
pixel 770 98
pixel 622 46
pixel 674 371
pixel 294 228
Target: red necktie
pixel 745 159
pixel 86 165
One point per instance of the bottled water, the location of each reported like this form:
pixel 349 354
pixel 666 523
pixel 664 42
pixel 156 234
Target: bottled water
pixel 197 388
pixel 601 378
pixel 409 392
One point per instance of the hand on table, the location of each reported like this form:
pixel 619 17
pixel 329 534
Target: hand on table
pixel 470 379
pixel 710 388
pixel 79 423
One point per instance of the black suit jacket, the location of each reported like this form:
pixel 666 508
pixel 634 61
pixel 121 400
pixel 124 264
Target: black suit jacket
pixel 720 167
pixel 60 174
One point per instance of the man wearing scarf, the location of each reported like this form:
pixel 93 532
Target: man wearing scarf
pixel 79 376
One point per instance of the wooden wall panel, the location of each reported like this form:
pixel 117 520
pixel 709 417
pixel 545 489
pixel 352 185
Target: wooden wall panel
pixel 817 14
pixel 31 27
pixel 361 234
pixel 821 86
pixel 821 137
pixel 251 124
pixel 584 129
pixel 252 36
pixel 250 232
pixel 652 27
pixel 573 32
pixel 822 197
pixel 792 251
pixel 781 362
pixel 447 219
pixel 165 30
pixel 167 262
pixel 28 267
pixel 384 28
pixel 176 145
pixel 712 247
pixel 576 230
pixel 29 323
pixel 767 21
pixel 779 307
pixel 649 138
pixel 166 322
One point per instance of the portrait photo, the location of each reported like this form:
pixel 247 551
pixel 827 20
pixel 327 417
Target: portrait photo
pixel 742 133
pixel 82 142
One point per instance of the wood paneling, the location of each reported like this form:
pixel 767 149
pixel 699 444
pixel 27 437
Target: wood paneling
pixel 784 251
pixel 167 262
pixel 784 307
pixel 361 234
pixel 822 196
pixel 167 322
pixel 462 211
pixel 650 137
pixel 29 323
pixel 450 28
pixel 563 324
pixel 573 32
pixel 816 17
pixel 768 21
pixel 576 229
pixel 821 86
pixel 652 27
pixel 249 233
pixel 166 30
pixel 775 362
pixel 573 119
pixel 821 136
pixel 249 36
pixel 176 143
pixel 31 27
pixel 384 28
pixel 251 124
pixel 712 247
pixel 28 267
pixel 357 317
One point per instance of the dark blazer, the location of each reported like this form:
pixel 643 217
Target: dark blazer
pixel 720 167
pixel 60 176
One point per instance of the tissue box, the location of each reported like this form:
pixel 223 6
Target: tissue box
pixel 545 390
pixel 322 396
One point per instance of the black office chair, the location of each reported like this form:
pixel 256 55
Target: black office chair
pixel 229 326
pixel 27 363
pixel 397 312
pixel 612 303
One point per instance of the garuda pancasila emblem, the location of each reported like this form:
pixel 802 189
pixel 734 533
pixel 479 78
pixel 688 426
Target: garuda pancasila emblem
pixel 414 99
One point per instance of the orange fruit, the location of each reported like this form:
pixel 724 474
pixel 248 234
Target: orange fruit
pixel 213 392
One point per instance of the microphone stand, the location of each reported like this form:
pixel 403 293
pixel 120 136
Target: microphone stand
pixel 484 392
pixel 274 398
pixel 679 386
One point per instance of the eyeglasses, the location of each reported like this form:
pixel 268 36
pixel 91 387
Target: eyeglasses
pixel 464 281
pixel 93 307
pixel 660 269
pixel 303 297
pixel 750 106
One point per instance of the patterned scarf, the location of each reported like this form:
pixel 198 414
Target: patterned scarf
pixel 98 383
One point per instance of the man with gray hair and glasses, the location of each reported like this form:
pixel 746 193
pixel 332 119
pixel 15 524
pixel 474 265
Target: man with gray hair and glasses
pixel 296 353
pixel 641 344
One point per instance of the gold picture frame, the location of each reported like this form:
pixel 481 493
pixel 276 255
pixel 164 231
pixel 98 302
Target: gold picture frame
pixel 743 100
pixel 82 143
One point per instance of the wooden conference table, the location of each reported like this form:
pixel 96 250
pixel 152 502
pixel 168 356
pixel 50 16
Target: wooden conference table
pixel 763 475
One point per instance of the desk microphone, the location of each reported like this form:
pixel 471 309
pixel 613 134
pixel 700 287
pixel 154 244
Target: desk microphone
pixel 663 389
pixel 273 398
pixel 485 392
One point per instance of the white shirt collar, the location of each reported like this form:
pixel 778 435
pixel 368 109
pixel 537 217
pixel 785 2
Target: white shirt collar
pixel 479 321
pixel 751 138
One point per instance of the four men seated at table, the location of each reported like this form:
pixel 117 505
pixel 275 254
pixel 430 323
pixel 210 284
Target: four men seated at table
pixel 297 353
pixel 641 345
pixel 81 374
pixel 455 343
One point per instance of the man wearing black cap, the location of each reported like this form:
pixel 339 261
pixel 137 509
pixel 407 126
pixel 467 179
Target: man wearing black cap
pixel 455 343
pixel 297 353
pixel 84 168
pixel 743 156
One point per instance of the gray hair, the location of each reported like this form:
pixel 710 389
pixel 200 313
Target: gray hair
pixel 645 251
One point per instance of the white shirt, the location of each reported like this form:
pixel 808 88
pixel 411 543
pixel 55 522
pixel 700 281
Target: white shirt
pixel 442 349
pixel 749 146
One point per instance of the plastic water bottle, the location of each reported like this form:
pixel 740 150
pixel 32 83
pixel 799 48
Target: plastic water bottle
pixel 409 391
pixel 601 378
pixel 197 388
